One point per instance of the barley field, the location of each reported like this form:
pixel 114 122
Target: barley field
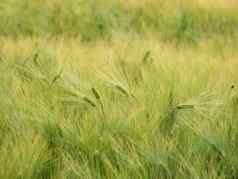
pixel 106 89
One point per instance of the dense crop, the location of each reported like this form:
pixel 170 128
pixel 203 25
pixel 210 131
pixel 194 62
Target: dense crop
pixel 104 89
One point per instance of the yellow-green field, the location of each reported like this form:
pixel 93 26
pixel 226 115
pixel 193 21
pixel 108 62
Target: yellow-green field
pixel 103 89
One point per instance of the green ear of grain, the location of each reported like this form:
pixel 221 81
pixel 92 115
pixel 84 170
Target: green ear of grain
pixel 185 106
pixel 58 76
pixel 96 94
pixel 98 97
pixel 35 59
pixel 146 57
pixel 122 90
pixel 89 101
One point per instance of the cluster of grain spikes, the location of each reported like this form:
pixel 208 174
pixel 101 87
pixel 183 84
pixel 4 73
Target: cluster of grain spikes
pixel 198 106
pixel 32 69
pixel 121 86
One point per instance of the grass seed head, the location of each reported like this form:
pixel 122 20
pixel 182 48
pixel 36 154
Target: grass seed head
pixel 96 93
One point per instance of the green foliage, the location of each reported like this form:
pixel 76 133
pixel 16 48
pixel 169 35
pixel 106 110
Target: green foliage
pixel 92 20
pixel 51 129
pixel 155 111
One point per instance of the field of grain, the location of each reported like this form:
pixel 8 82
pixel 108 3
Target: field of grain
pixel 103 89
